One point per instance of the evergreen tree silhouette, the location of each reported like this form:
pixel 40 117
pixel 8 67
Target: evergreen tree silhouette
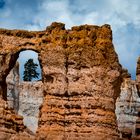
pixel 30 70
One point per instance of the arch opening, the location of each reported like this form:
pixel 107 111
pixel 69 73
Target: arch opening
pixel 23 59
pixel 25 95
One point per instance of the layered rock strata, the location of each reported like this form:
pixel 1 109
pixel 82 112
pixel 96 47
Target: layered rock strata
pixel 81 79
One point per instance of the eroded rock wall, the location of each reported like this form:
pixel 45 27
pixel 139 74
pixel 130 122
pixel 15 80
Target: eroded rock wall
pixel 10 123
pixel 81 85
pixel 81 79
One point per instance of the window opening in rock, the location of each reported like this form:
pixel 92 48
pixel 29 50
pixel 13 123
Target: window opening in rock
pixel 25 97
pixel 29 66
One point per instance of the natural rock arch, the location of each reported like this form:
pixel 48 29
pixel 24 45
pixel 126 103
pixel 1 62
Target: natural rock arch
pixel 25 97
pixel 10 61
pixel 81 79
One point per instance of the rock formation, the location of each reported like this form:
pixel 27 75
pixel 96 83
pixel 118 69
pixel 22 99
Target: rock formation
pixel 81 80
pixel 128 106
pixel 138 76
pixel 138 87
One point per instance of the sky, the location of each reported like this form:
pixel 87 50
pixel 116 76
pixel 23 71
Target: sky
pixel 23 58
pixel 122 15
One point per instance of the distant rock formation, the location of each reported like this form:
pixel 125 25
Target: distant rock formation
pixel 81 78
pixel 25 98
pixel 128 106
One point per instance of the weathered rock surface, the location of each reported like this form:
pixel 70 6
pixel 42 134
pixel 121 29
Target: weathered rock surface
pixel 138 75
pixel 30 99
pixel 12 81
pixel 10 123
pixel 25 98
pixel 138 87
pixel 128 106
pixel 81 79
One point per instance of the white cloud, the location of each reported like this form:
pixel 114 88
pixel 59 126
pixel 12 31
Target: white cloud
pixel 127 10
pixel 119 13
pixel 91 18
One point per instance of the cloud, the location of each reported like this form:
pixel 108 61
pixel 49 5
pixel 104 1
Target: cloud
pixel 127 10
pixel 123 16
pixel 31 14
pixel 127 42
pixel 18 13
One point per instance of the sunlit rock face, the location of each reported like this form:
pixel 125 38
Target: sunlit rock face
pixel 81 78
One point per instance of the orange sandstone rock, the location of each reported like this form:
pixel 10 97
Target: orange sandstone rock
pixel 81 80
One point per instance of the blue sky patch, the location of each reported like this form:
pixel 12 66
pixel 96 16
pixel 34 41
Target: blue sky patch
pixel 2 3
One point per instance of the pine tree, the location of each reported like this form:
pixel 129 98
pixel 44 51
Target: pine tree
pixel 30 70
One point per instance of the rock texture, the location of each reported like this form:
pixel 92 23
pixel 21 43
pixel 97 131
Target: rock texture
pixel 12 81
pixel 81 79
pixel 10 123
pixel 138 87
pixel 138 76
pixel 25 98
pixel 30 99
pixel 128 106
